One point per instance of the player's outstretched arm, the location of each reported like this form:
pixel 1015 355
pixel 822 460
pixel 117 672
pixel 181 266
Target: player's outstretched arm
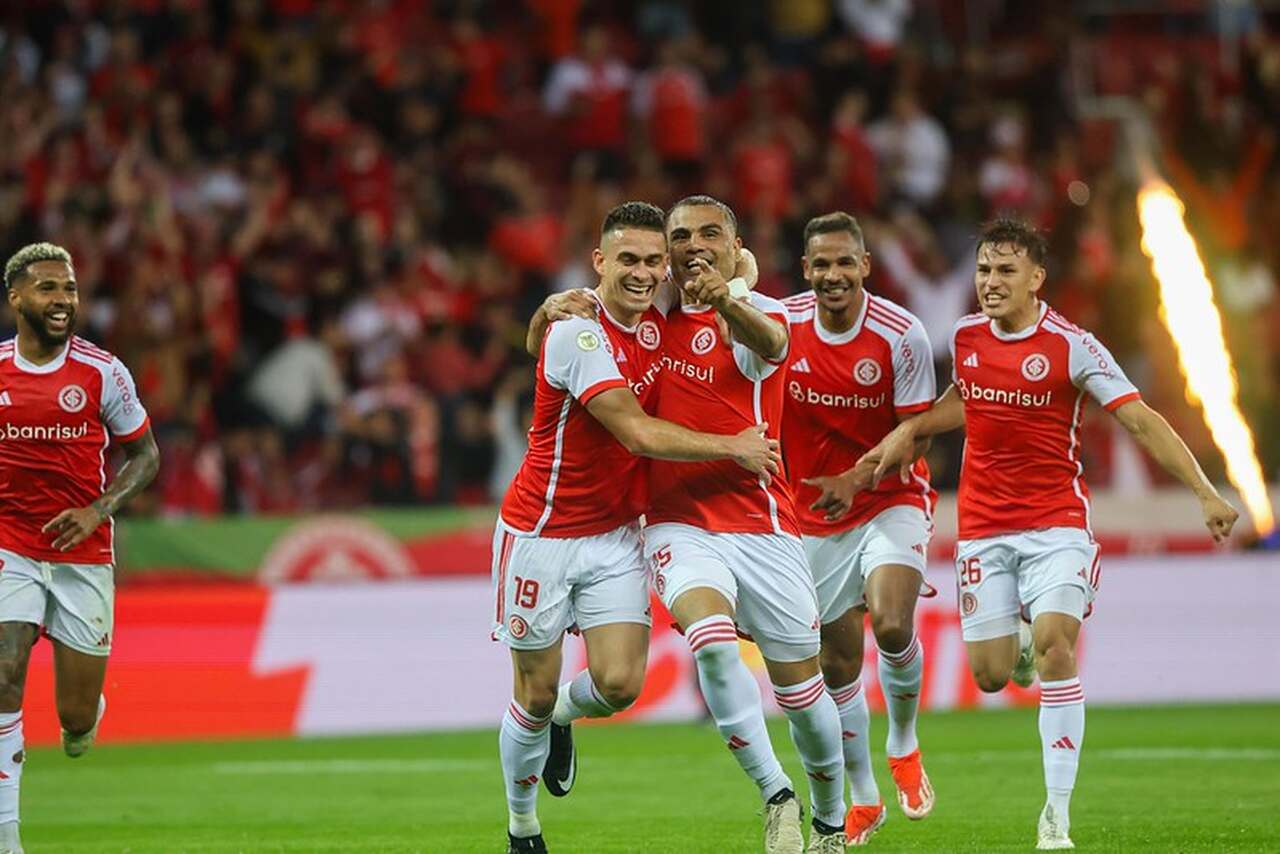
pixel 643 435
pixel 760 333
pixel 575 303
pixel 72 526
pixel 1166 447
pixel 839 490
pixel 899 447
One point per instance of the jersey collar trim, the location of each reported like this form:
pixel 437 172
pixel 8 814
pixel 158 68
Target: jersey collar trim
pixel 47 368
pixel 615 320
pixel 1022 333
pixel 849 334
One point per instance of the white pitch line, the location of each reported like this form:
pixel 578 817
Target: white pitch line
pixel 348 766
pixel 1126 754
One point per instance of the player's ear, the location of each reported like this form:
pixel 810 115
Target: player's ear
pixel 597 261
pixel 804 264
pixel 1037 278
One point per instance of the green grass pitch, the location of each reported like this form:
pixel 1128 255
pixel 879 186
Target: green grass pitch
pixel 1172 779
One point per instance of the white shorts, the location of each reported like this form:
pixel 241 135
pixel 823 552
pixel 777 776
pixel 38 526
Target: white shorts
pixel 997 576
pixel 841 563
pixel 764 576
pixel 74 602
pixel 545 586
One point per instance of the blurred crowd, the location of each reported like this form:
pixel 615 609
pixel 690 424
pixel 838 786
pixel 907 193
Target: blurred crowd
pixel 314 229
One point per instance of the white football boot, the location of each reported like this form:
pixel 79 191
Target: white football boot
pixel 1052 833
pixel 782 833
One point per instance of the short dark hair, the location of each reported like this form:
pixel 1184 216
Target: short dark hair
pixel 30 254
pixel 707 201
pixel 634 215
pixel 1020 233
pixel 830 223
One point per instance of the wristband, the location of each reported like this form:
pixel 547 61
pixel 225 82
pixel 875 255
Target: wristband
pixel 738 288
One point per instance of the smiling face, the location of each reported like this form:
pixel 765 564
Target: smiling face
pixel 701 231
pixel 45 299
pixel 630 262
pixel 1007 281
pixel 834 264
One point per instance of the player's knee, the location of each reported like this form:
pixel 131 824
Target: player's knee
pixel 990 681
pixel 12 676
pixel 893 630
pixel 716 660
pixel 1055 659
pixel 621 686
pixel 839 667
pixel 78 716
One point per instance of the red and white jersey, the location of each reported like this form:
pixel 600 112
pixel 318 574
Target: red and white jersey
pixel 1023 396
pixel 56 421
pixel 845 392
pixel 577 480
pixel 717 386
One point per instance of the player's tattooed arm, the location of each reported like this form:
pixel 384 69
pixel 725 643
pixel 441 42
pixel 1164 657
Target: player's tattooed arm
pixel 1166 447
pixel 72 526
pixel 760 333
pixel 575 303
pixel 645 436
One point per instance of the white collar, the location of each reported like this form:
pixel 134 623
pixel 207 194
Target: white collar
pixel 32 368
pixel 829 337
pixel 1021 333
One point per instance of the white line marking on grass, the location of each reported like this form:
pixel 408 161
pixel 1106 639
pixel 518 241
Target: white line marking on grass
pixel 349 766
pixel 1124 754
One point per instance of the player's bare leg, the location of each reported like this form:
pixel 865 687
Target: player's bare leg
pixel 16 640
pixel 523 741
pixel 1061 719
pixel 733 698
pixel 991 661
pixel 841 661
pixel 891 594
pixel 78 679
pixel 616 657
pixel 814 722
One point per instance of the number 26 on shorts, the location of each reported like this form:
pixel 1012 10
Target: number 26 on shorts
pixel 969 570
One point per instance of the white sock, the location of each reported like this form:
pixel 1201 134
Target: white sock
pixel 815 729
pixel 900 676
pixel 855 730
pixel 1061 740
pixel 580 698
pixel 523 743
pixel 733 697
pixel 11 756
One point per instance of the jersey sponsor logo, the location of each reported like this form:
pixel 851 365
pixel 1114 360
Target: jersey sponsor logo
pixel 704 341
pixel 4 399
pixel 684 368
pixel 588 341
pixel 1035 367
pixel 648 335
pixel 1013 397
pixel 128 401
pixel 639 387
pixel 72 398
pixel 971 361
pixel 43 432
pixel 867 371
pixel 1103 365
pixel 803 394
pixel 518 627
pixel 802 367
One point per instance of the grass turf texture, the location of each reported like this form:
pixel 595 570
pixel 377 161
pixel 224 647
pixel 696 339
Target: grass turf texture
pixel 1184 779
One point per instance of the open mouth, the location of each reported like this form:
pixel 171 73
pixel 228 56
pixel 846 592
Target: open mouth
pixel 834 289
pixel 58 321
pixel 637 289
pixel 992 300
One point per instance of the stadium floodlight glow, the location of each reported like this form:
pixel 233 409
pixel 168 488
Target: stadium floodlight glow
pixel 1188 312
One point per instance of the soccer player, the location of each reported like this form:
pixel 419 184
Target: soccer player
pixel 1020 372
pixel 62 400
pixel 858 364
pixel 724 546
pixel 567 548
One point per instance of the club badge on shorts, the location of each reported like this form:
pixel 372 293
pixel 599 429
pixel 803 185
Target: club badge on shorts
pixel 517 627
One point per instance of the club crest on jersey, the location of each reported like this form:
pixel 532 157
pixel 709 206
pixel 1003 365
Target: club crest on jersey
pixel 72 398
pixel 704 341
pixel 867 371
pixel 518 627
pixel 588 341
pixel 647 335
pixel 1035 367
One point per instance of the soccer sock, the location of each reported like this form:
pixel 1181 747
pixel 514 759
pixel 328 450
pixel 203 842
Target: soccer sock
pixel 1061 739
pixel 815 729
pixel 900 674
pixel 733 698
pixel 523 743
pixel 580 698
pixel 855 729
pixel 11 756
